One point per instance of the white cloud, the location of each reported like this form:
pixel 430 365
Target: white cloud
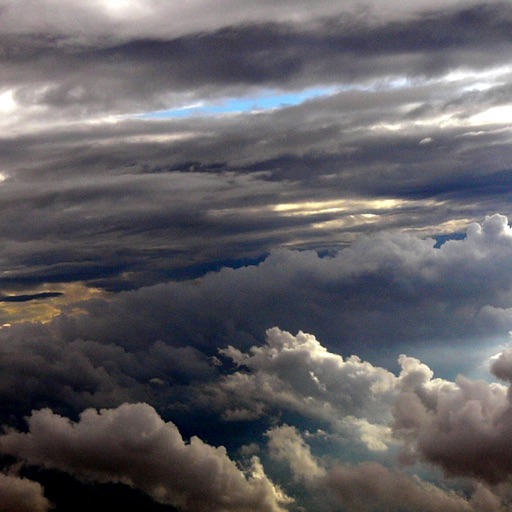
pixel 377 438
pixel 297 373
pixel 286 444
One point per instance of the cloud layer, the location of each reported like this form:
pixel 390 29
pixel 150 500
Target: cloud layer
pixel 109 177
pixel 388 288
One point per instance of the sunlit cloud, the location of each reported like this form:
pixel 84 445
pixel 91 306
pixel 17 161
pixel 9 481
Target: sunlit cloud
pixel 494 115
pixel 332 206
pixel 7 102
pixel 66 297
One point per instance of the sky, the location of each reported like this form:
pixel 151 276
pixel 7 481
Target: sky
pixel 256 256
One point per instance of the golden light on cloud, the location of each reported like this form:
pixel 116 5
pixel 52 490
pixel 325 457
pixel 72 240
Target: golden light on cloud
pixel 338 205
pixel 45 309
pixel 348 221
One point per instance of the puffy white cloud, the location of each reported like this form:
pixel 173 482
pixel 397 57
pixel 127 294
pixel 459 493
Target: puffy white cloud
pixel 286 444
pixel 133 445
pixel 296 373
pixel 21 495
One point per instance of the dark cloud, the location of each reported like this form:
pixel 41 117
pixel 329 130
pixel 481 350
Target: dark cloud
pixel 22 495
pixel 462 426
pixel 27 298
pixel 387 289
pixel 271 54
pixel 151 210
pixel 168 197
pixel 43 370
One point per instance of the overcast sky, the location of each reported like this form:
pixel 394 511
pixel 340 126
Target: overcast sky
pixel 255 256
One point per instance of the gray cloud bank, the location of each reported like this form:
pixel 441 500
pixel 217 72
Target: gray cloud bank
pixel 383 295
pixel 387 288
pixel 100 189
pixel 335 48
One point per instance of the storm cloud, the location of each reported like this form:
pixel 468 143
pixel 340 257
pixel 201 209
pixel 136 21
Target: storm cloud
pixel 387 288
pixel 113 177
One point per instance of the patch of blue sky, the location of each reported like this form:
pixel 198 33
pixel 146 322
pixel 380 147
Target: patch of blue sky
pixel 269 101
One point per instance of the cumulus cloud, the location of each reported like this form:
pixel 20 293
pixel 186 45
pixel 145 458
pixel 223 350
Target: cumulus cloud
pixel 371 487
pixel 21 495
pixel 298 374
pixel 385 290
pixel 133 445
pixel 463 426
pixel 286 444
